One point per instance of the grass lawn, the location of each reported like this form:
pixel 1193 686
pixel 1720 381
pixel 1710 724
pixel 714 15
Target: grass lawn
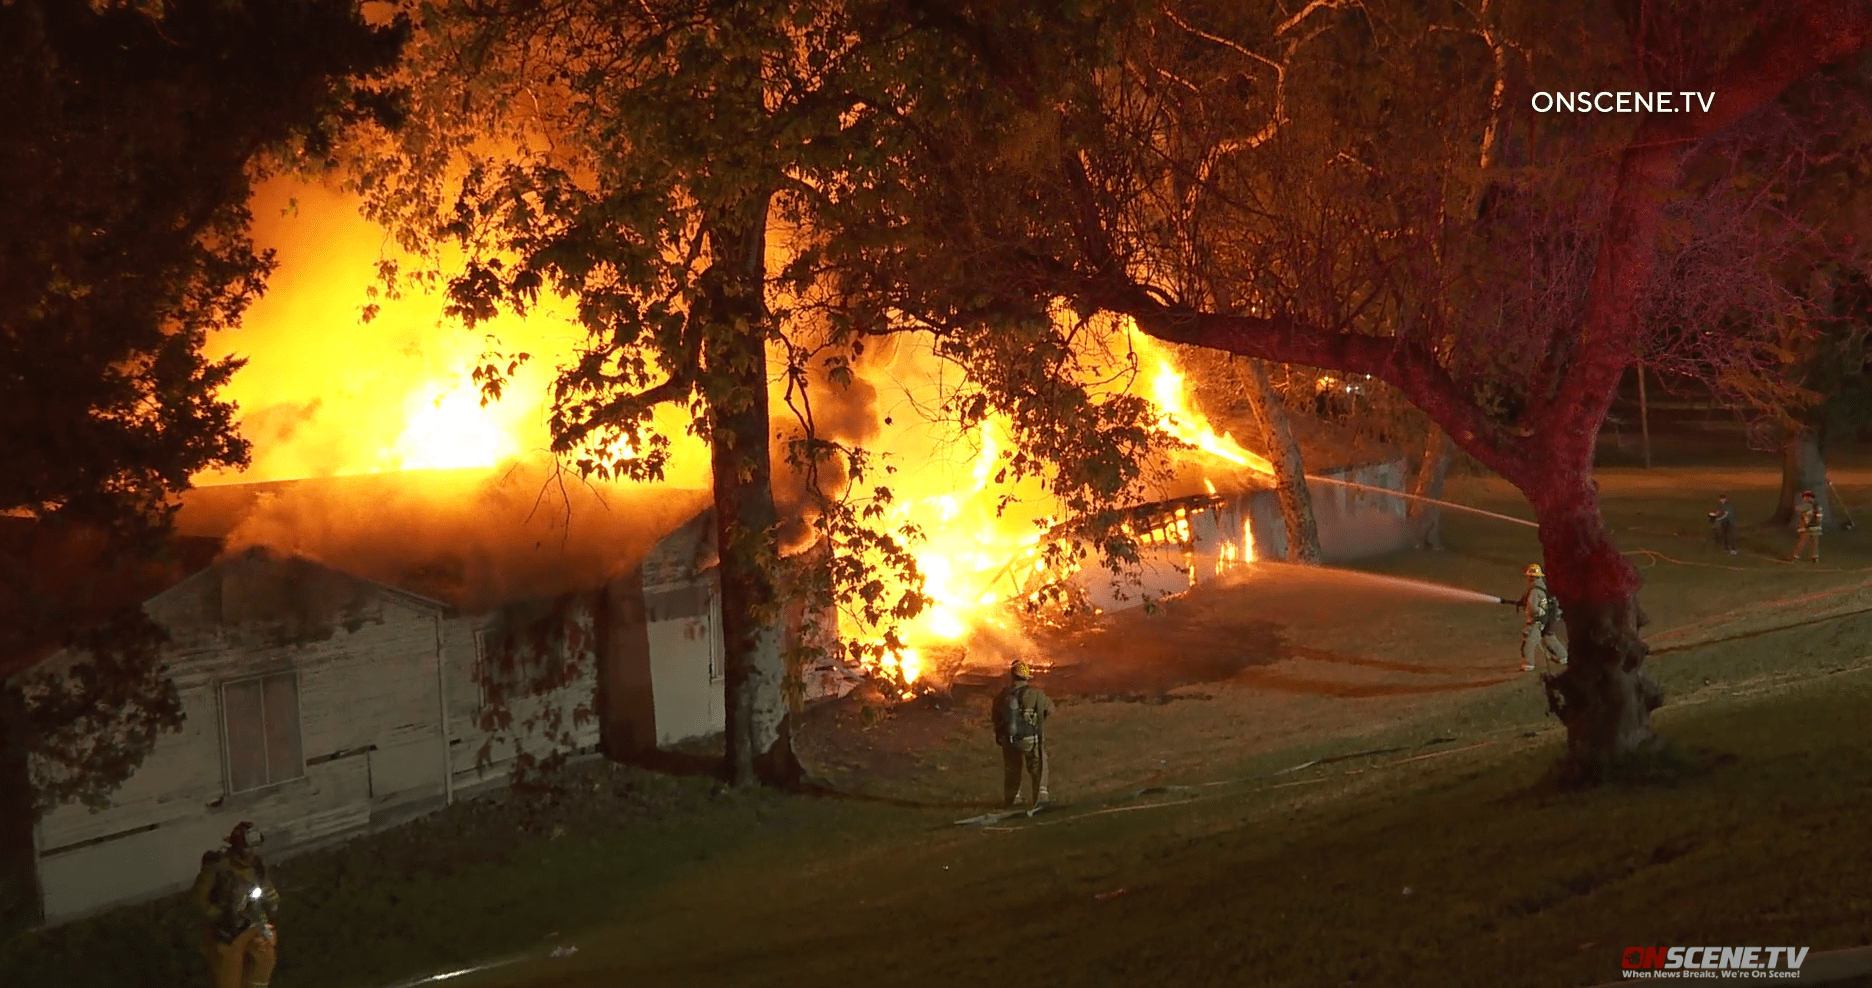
pixel 1222 872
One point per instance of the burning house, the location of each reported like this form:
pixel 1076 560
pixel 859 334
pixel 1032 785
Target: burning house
pixel 400 670
pixel 1221 509
pixel 369 649
pixel 1193 538
pixel 371 646
pixel 1198 538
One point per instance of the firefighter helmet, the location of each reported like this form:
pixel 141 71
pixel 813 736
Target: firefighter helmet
pixel 1022 670
pixel 1535 572
pixel 243 838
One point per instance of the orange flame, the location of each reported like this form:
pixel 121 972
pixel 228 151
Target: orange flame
pixel 324 394
pixel 973 559
pixel 1170 394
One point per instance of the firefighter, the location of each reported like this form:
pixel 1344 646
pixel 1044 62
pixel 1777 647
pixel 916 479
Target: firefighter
pixel 1542 615
pixel 238 906
pixel 1722 524
pixel 1020 714
pixel 1807 525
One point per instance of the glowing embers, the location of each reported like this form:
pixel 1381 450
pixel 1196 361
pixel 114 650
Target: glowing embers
pixel 1232 555
pixel 1227 558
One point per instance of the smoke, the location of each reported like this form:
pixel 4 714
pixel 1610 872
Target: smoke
pixel 472 538
pixel 842 411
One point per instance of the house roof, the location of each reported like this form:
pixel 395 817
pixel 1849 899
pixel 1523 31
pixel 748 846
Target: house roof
pixel 262 557
pixel 470 539
pixel 474 539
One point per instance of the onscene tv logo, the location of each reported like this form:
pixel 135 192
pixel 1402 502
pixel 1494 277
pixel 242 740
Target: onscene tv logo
pixel 1714 962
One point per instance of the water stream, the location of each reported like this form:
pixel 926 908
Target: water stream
pixel 1388 492
pixel 1418 586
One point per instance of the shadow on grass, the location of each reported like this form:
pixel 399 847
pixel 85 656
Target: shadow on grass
pixel 815 787
pixel 1667 765
pixel 680 763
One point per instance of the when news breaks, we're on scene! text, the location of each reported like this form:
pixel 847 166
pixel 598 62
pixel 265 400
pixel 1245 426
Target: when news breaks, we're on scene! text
pixel 1586 101
pixel 1750 963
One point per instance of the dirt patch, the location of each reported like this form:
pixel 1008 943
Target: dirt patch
pixel 1192 641
pixel 851 743
pixel 1224 672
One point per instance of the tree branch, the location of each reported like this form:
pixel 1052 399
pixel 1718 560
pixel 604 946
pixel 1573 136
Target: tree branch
pixel 1283 339
pixel 1817 32
pixel 617 411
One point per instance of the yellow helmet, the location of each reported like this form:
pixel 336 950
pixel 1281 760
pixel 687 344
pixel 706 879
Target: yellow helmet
pixel 1022 670
pixel 1535 572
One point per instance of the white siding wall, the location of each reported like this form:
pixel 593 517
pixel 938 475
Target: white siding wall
pixel 1356 524
pixel 467 737
pixel 371 685
pixel 368 695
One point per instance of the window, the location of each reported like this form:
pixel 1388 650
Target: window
pixel 261 717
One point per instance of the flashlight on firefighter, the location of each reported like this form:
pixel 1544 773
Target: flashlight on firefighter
pixel 255 894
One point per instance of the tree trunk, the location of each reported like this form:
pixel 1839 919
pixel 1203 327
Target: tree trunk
pixel 1803 468
pixel 1426 519
pixel 19 873
pixel 1296 503
pixel 759 737
pixel 1603 696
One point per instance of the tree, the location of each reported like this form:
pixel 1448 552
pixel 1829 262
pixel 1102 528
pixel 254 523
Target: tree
pixel 1509 329
pixel 1248 383
pixel 639 159
pixel 1802 160
pixel 1432 467
pixel 1296 502
pixel 1835 369
pixel 1822 390
pixel 1830 393
pixel 132 137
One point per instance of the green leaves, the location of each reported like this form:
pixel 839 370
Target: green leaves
pixel 128 164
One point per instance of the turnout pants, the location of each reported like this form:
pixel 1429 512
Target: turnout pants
pixel 245 963
pixel 1029 759
pixel 1534 640
pixel 1805 541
